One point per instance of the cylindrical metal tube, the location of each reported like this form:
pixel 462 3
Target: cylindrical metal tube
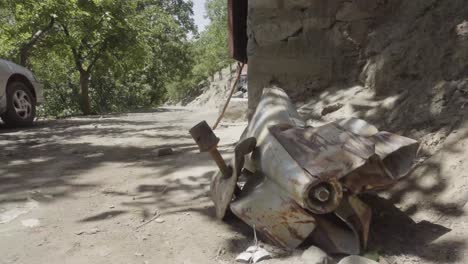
pixel 271 157
pixel 276 162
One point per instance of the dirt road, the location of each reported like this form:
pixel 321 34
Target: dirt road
pixel 78 191
pixel 84 190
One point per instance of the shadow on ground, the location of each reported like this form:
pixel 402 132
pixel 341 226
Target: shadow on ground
pixel 52 155
pixel 393 232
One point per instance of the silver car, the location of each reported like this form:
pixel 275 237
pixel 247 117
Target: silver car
pixel 20 93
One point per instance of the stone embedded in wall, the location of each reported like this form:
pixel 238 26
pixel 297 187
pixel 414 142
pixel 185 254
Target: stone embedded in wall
pixel 318 23
pixel 462 30
pixel 305 46
pixel 351 11
pixel 276 29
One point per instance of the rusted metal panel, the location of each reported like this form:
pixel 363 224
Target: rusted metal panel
pixel 302 182
pixel 267 207
pixel 396 152
pixel 334 237
pixel 346 230
pixel 357 215
pixel 237 24
pixel 327 151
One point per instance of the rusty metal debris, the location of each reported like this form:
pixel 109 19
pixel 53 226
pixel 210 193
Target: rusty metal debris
pixel 295 183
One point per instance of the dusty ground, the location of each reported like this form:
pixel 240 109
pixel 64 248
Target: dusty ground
pixel 76 191
pixel 79 191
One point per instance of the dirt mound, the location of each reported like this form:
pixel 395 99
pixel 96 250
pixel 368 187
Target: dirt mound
pixel 216 90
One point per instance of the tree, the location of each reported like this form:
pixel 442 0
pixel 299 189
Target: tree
pixel 91 29
pixel 212 46
pixel 25 24
pixel 114 49
pixel 209 50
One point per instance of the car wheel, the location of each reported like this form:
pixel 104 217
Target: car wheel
pixel 21 106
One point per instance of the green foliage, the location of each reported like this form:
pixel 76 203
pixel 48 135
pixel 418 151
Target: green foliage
pixel 121 54
pixel 209 50
pixel 98 56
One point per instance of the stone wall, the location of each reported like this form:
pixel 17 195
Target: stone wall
pixel 306 46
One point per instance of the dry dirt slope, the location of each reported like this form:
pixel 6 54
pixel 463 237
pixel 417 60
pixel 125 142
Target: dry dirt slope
pixel 429 222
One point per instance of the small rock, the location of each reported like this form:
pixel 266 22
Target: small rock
pixel 30 222
pixel 462 29
pixel 356 260
pixel 111 207
pixel 93 231
pixel 48 196
pixel 138 254
pixel 163 152
pixel 90 232
pixel 331 108
pixel 159 220
pixel 314 255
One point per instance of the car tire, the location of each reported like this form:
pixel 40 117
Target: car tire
pixel 21 106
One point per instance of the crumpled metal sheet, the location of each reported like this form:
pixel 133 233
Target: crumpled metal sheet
pixel 325 152
pixel 305 180
pixel 271 210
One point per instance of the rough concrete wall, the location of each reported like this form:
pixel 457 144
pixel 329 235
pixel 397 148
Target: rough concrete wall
pixel 387 45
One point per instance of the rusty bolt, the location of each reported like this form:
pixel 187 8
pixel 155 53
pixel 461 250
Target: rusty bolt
pixel 322 194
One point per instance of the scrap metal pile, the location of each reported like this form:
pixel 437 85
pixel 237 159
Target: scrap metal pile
pixel 294 183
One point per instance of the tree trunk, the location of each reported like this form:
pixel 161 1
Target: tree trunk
pixel 24 57
pixel 26 47
pixel 84 84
